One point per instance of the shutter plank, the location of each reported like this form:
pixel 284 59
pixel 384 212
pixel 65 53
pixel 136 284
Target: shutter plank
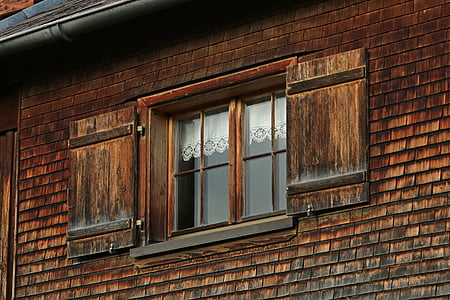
pixel 327 183
pixel 328 198
pixel 102 182
pixel 100 243
pixel 327 132
pixel 324 81
pixel 99 229
pixel 100 136
pixel 158 175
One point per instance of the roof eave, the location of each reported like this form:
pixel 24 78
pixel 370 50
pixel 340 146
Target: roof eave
pixel 71 27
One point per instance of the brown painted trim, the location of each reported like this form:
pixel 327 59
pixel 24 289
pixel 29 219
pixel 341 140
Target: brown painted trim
pixel 327 80
pixel 101 136
pixel 219 82
pixel 327 183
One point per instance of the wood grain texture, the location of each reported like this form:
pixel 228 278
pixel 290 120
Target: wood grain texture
pixel 158 186
pixel 221 83
pixel 100 136
pixel 330 182
pixel 103 179
pixel 99 229
pixel 327 130
pixel 327 198
pixel 326 80
pixel 395 246
pixel 8 194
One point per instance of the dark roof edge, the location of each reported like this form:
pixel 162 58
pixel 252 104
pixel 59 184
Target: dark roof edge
pixel 71 27
pixel 28 12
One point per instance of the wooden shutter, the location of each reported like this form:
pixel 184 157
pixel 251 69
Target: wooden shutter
pixel 327 132
pixel 102 183
pixel 8 153
pixel 158 175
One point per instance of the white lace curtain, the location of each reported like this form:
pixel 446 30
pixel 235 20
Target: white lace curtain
pixel 215 140
pixel 216 130
pixel 259 122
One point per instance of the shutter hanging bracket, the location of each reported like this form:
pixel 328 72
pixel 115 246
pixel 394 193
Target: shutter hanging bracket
pixel 141 129
pixel 309 210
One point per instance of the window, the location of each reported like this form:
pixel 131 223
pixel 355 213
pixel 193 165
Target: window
pixel 202 167
pixel 221 160
pixel 212 144
pixel 265 154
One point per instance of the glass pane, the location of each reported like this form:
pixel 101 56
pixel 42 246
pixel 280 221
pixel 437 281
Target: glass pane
pixel 216 137
pixel 216 195
pixel 258 126
pixel 280 121
pixel 280 181
pixel 258 186
pixel 187 204
pixel 188 143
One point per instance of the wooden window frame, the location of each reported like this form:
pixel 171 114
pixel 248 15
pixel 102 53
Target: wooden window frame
pixel 155 110
pixel 236 162
pixel 172 173
pixel 271 92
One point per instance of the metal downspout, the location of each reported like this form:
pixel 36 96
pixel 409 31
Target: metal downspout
pixel 69 28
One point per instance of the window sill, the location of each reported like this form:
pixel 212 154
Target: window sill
pixel 244 235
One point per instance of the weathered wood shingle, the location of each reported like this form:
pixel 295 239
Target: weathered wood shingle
pixel 395 246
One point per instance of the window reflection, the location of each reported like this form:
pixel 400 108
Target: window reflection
pixel 201 178
pixel 202 168
pixel 265 154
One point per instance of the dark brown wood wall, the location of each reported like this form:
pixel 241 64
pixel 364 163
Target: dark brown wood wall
pixel 396 246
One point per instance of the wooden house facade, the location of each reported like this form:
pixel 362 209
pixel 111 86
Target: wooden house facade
pixel 229 150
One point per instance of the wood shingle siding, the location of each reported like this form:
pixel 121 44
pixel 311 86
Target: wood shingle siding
pixel 395 245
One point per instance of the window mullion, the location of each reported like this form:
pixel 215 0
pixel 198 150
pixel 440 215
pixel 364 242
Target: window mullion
pixel 202 164
pixel 232 159
pixel 272 129
pixel 239 161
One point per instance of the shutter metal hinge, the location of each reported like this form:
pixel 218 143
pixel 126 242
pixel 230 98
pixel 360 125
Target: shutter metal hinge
pixel 141 129
pixel 139 222
pixel 310 210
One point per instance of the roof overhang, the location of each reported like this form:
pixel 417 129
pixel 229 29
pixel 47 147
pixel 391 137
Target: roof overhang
pixel 71 27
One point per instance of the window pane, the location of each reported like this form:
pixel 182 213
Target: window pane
pixel 280 121
pixel 216 195
pixel 187 205
pixel 258 186
pixel 280 181
pixel 188 143
pixel 258 126
pixel 216 137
